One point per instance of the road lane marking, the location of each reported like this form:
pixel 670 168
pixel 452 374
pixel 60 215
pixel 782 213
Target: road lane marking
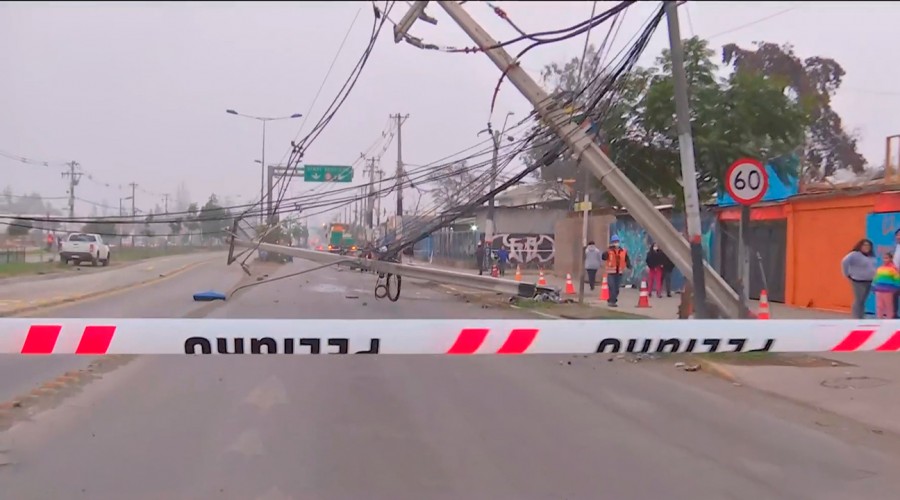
pixel 72 299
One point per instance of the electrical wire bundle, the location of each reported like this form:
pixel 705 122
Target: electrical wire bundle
pixel 601 86
pixel 299 147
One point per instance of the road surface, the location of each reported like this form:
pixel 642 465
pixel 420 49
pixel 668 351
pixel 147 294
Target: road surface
pixel 383 427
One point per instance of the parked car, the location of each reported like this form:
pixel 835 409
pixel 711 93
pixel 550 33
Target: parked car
pixel 84 247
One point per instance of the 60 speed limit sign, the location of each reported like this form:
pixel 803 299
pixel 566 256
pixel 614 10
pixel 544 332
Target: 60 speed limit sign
pixel 746 181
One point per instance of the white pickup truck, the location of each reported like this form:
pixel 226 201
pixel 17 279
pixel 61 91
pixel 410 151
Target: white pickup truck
pixel 84 247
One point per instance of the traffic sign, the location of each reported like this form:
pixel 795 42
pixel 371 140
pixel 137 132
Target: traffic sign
pixel 746 181
pixel 328 173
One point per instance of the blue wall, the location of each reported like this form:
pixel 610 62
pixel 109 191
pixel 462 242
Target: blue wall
pixel 880 229
pixel 777 190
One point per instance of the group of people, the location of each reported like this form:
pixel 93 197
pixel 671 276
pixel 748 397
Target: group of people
pixel 659 268
pixel 484 256
pixel 862 270
pixel 616 257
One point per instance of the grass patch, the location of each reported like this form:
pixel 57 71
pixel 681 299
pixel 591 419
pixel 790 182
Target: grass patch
pixel 25 268
pixel 534 305
pixel 576 311
pixel 797 360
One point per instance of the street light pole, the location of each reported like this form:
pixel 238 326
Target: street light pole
pixel 497 138
pixel 262 178
pixel 262 172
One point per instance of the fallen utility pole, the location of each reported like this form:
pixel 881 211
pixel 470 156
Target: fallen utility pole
pixel 442 276
pixel 592 157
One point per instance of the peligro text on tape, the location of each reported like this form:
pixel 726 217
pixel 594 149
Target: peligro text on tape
pixel 455 337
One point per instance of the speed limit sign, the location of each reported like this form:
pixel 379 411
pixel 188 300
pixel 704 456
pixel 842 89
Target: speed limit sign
pixel 746 181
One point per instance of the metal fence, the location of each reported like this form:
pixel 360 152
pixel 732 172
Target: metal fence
pixel 10 255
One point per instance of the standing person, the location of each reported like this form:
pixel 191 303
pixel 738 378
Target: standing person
pixel 886 285
pixel 655 269
pixel 896 261
pixel 479 257
pixel 668 267
pixel 503 259
pixel 858 267
pixel 593 259
pixel 617 261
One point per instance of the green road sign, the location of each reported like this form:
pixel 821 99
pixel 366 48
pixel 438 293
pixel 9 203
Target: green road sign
pixel 327 173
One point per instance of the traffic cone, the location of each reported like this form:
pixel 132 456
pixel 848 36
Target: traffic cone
pixel 518 273
pixel 763 305
pixel 604 289
pixel 570 288
pixel 541 280
pixel 644 298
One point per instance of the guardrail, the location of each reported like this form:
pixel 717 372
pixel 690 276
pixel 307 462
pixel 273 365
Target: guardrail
pixel 486 283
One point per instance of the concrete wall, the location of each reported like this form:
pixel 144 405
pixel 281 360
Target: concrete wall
pixel 568 241
pixel 521 220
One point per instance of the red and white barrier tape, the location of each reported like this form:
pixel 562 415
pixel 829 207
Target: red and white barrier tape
pixel 263 336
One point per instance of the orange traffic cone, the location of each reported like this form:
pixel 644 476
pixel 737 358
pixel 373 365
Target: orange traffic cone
pixel 763 305
pixel 604 289
pixel 541 280
pixel 644 299
pixel 518 273
pixel 570 288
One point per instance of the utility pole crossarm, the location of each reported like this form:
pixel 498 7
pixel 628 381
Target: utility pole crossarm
pixel 618 184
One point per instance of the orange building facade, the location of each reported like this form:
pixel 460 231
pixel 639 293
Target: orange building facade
pixel 821 229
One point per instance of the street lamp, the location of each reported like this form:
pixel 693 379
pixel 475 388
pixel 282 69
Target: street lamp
pixel 262 177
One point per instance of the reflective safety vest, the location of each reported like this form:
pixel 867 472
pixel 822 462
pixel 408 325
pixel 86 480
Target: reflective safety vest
pixel 615 260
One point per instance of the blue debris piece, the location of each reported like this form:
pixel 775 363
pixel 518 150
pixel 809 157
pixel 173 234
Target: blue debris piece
pixel 208 296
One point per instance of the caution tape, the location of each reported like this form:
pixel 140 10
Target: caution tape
pixel 456 337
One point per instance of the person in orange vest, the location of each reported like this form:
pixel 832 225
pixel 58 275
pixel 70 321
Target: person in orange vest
pixel 617 261
pixel 49 241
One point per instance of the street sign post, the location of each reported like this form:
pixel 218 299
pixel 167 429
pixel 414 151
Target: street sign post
pixel 747 182
pixel 327 173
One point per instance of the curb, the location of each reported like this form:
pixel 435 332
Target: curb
pixel 99 293
pixel 718 369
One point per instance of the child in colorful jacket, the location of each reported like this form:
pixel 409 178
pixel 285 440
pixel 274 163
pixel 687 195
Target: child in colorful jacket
pixel 886 286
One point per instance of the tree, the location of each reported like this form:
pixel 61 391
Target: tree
pixel 7 197
pixel 147 230
pixel 812 81
pixel 214 219
pixel 455 184
pixel 190 221
pixel 745 114
pixel 175 226
pixel 182 198
pixel 19 227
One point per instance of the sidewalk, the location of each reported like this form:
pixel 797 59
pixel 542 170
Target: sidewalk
pixel 17 296
pixel 861 386
pixel 660 308
pixel 867 391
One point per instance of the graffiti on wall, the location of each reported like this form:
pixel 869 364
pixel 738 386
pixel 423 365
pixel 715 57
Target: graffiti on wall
pixel 525 249
pixel 636 240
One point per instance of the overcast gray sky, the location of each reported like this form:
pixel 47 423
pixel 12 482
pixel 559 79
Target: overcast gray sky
pixel 137 92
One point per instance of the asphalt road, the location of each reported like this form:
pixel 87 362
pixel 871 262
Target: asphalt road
pixel 373 427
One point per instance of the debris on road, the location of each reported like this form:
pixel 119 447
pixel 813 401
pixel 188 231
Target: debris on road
pixel 351 296
pixel 208 296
